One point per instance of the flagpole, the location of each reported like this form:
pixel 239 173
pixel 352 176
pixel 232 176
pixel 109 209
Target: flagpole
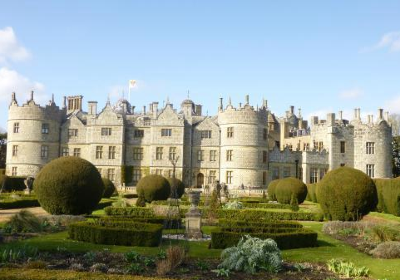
pixel 129 90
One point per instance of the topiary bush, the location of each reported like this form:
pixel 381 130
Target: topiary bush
pixel 271 189
pixel 388 195
pixel 180 186
pixel 312 192
pixel 346 194
pixel 69 185
pixel 290 189
pixel 154 187
pixel 109 188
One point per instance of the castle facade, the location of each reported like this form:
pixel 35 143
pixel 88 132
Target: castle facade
pixel 240 146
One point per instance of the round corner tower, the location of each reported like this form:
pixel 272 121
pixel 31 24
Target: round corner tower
pixel 33 136
pixel 244 146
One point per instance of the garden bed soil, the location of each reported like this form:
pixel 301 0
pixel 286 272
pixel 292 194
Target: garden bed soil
pixel 115 263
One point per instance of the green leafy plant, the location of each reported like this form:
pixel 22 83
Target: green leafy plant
pixel 202 265
pixel 233 205
pixel 24 221
pixel 251 255
pixel 347 269
pixel 221 272
pixel 135 268
pixel 132 256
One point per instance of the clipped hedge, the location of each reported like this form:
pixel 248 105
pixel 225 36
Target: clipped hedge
pixel 109 188
pixel 223 238
pixel 69 185
pixel 47 274
pixel 10 203
pixel 117 233
pixel 346 194
pixel 312 192
pixel 227 223
pixel 388 191
pixel 180 186
pixel 154 187
pixel 266 205
pixel 264 214
pixel 12 183
pixel 289 188
pixel 129 211
pixel 271 189
pixel 167 223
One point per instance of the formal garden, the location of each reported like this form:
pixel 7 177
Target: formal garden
pixel 72 224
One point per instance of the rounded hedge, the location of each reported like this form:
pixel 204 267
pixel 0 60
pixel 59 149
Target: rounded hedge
pixel 180 186
pixel 271 189
pixel 346 194
pixel 290 188
pixel 69 185
pixel 109 188
pixel 154 187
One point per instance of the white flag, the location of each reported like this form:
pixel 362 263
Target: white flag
pixel 132 83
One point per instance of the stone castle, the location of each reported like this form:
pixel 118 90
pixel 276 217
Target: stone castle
pixel 243 146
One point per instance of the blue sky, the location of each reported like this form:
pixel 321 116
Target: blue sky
pixel 318 55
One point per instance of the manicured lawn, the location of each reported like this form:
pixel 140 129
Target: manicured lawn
pixel 331 248
pixel 60 241
pixel 387 217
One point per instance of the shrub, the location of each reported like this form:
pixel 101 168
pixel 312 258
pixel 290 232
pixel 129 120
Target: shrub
pixel 271 189
pixel 289 188
pixel 251 255
pixel 346 194
pixel 388 195
pixel 266 205
pixel 109 188
pixel 229 223
pixel 383 233
pixel 174 257
pixel 24 221
pixel 154 187
pixel 117 233
pixel 337 227
pixel 69 185
pixel 387 250
pixel 179 185
pixel 312 192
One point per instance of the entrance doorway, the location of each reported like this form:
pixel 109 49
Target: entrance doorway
pixel 200 180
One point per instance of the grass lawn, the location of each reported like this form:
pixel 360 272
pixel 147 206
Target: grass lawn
pixel 331 248
pixel 387 217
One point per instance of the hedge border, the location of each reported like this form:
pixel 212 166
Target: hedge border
pixel 138 234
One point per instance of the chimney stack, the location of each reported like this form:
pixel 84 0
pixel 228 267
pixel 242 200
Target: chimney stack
pixel 133 110
pixel 330 119
pixel 144 110
pixel 340 115
pixel 380 114
pixel 221 104
pixel 387 116
pixel 247 99
pixel 291 110
pixel 92 107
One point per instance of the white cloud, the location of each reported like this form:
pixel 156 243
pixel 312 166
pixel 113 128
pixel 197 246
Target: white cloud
pixel 393 105
pixel 390 40
pixel 12 81
pixel 351 93
pixel 10 49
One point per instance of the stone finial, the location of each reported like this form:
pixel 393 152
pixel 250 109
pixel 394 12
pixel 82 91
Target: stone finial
pixel 65 102
pixel 144 110
pixel 387 116
pixel 340 115
pixel 31 95
pixel 133 110
pixel 240 105
pixel 247 99
pixel 221 103
pixel 292 110
pixel 229 101
pixel 299 115
pixel 13 97
pixel 52 98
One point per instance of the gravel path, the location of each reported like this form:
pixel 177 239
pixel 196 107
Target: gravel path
pixel 6 214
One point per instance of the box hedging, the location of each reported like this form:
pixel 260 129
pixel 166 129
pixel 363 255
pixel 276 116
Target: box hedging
pixel 10 203
pixel 13 183
pixel 264 214
pixel 226 223
pixel 151 220
pixel 266 205
pixel 222 238
pixel 388 191
pixel 117 233
pixel 129 211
